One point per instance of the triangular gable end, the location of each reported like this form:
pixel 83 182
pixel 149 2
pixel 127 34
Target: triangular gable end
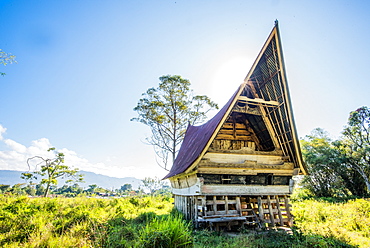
pixel 258 116
pixel 267 81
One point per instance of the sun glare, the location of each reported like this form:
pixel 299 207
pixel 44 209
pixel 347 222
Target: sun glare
pixel 227 77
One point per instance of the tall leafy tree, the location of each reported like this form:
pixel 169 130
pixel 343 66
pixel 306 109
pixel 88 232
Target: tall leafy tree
pixel 322 162
pixel 168 110
pixel 50 170
pixel 356 143
pixel 343 166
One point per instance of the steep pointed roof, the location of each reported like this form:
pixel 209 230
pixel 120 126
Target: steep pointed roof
pixel 265 85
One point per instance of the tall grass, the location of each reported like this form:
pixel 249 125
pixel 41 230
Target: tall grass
pixel 152 222
pixel 346 221
pixel 76 222
pixel 168 231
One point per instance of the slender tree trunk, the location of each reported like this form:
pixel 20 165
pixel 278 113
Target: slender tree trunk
pixel 367 182
pixel 174 134
pixel 174 145
pixel 364 176
pixel 47 189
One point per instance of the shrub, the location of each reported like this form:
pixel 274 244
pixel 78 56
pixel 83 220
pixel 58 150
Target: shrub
pixel 168 231
pixel 345 221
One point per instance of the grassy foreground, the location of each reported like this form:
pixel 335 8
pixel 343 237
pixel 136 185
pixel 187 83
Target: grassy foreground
pixel 152 222
pixel 348 221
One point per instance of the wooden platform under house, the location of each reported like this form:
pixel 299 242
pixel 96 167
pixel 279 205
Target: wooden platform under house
pixel 237 168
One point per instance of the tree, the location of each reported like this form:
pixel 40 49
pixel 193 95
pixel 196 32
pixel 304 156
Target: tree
pixel 69 190
pixel 17 189
pixel 322 160
pixel 40 190
pixel 30 190
pixel 50 170
pixel 168 110
pixel 95 189
pixel 152 184
pixel 6 58
pixel 330 173
pixel 126 187
pixel 92 188
pixel 4 188
pixel 356 143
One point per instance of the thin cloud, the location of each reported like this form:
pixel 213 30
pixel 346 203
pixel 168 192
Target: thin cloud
pixel 15 155
pixel 2 130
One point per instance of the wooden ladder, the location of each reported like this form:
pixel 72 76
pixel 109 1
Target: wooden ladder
pixel 275 210
pixel 248 208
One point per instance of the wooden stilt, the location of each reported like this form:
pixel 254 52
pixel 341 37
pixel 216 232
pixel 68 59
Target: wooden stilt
pixel 271 212
pixel 279 210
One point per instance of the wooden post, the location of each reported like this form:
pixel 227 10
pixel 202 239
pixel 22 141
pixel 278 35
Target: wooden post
pixel 260 210
pixel 204 206
pixel 279 210
pixel 287 208
pixel 238 205
pixel 272 218
pixel 214 205
pixel 226 205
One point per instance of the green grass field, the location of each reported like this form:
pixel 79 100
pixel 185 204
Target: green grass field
pixel 152 222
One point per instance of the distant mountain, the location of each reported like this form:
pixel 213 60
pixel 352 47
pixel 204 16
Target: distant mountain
pixel 11 177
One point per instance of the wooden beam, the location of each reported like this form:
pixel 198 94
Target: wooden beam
pixel 246 109
pixel 230 189
pixel 244 171
pixel 258 101
pixel 221 136
pixel 230 125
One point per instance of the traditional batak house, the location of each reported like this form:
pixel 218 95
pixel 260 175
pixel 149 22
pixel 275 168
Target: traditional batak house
pixel 237 168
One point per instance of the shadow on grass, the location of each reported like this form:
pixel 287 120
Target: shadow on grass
pixel 265 239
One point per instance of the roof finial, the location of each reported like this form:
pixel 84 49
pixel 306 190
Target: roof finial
pixel 276 22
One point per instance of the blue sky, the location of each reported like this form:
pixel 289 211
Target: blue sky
pixel 83 65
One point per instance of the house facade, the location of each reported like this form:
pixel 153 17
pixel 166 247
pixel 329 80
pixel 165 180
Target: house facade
pixel 237 168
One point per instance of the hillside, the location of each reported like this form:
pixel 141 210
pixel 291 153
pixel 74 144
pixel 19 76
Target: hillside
pixel 11 177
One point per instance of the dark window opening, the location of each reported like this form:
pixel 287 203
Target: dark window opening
pixel 209 198
pixel 231 206
pixel 220 207
pixel 237 179
pixel 259 179
pixel 256 180
pixel 225 179
pixel 281 180
pixel 211 178
pixel 269 179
